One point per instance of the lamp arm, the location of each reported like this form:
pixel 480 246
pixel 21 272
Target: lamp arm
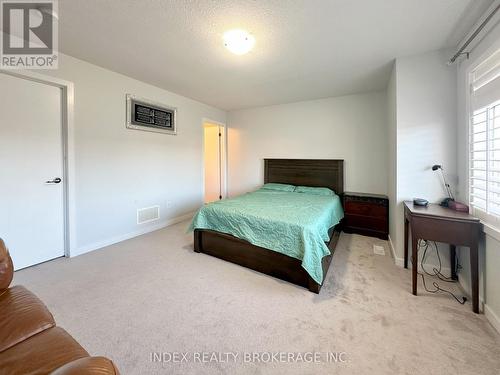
pixel 447 185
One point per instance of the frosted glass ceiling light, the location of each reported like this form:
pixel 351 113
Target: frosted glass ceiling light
pixel 238 41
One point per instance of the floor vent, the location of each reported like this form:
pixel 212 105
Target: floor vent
pixel 148 214
pixel 379 250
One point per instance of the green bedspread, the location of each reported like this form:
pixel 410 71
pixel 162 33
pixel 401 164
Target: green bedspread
pixel 294 224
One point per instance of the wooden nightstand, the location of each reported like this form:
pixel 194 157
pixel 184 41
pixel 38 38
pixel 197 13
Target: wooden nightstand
pixel 366 214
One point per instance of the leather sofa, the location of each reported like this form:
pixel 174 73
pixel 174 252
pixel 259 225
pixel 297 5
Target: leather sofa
pixel 30 341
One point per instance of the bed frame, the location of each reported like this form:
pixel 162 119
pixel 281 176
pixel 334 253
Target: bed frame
pixel 306 172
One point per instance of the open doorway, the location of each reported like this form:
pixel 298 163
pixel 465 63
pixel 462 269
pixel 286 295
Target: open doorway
pixel 214 156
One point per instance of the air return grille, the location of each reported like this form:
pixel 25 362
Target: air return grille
pixel 148 214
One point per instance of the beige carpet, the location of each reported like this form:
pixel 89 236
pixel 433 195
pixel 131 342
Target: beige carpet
pixel 154 294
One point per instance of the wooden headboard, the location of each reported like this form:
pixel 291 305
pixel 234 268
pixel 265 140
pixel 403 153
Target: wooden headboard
pixel 306 172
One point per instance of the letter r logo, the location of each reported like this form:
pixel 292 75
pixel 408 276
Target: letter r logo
pixel 28 27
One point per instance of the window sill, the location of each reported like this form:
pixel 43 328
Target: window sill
pixel 491 230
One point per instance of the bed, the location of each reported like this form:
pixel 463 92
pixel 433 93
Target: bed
pixel 299 172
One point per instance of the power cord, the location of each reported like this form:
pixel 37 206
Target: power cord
pixel 423 244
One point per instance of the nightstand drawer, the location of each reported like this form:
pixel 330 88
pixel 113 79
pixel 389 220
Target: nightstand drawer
pixel 359 221
pixel 365 209
pixel 366 214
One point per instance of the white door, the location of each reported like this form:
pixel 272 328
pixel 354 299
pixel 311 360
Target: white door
pixel 31 164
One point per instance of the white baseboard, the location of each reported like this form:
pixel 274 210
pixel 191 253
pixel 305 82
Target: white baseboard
pixel 397 261
pixel 463 282
pixel 466 288
pixel 400 262
pixel 492 317
pixel 428 266
pixel 127 236
pixel 391 246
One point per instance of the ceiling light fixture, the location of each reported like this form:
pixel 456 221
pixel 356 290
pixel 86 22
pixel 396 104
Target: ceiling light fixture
pixel 238 41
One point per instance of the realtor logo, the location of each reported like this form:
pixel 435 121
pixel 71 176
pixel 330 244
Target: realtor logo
pixel 29 34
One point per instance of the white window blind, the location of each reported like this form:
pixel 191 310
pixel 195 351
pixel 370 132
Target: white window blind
pixel 484 140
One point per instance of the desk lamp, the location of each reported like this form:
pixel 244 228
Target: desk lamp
pixel 450 201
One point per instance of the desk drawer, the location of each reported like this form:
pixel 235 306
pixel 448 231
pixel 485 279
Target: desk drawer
pixel 447 231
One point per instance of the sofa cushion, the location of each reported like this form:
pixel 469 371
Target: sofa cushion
pixel 88 366
pixel 6 267
pixel 22 315
pixel 41 354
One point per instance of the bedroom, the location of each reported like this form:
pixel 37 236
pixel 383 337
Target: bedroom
pixel 358 97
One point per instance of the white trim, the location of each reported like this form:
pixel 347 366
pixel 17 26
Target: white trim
pixel 398 261
pixel 68 148
pixel 491 231
pixel 479 51
pixel 127 236
pixel 462 282
pixel 205 120
pixel 465 285
pixel 428 266
pixel 492 317
pixel 469 67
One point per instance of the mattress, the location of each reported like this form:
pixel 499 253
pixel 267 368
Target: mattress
pixel 291 223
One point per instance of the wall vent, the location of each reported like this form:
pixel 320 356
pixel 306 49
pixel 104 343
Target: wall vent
pixel 379 250
pixel 148 214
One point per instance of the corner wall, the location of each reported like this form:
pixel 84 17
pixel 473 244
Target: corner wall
pixel 425 134
pixel 119 170
pixel 392 159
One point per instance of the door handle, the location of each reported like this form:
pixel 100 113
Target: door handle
pixel 54 181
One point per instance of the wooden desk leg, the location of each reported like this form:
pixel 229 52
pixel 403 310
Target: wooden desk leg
pixel 453 256
pixel 406 243
pixel 414 263
pixel 474 272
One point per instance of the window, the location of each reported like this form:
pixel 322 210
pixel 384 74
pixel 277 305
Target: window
pixel 484 140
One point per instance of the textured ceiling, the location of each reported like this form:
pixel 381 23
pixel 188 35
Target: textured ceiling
pixel 305 49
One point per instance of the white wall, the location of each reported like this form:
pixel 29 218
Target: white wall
pixel 489 252
pixel 352 128
pixel 392 156
pixel 426 133
pixel 119 170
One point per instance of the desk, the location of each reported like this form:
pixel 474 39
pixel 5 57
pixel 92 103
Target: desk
pixel 440 224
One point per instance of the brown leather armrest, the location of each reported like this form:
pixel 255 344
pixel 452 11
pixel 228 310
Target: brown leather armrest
pixel 41 353
pixel 88 366
pixel 6 267
pixel 22 315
